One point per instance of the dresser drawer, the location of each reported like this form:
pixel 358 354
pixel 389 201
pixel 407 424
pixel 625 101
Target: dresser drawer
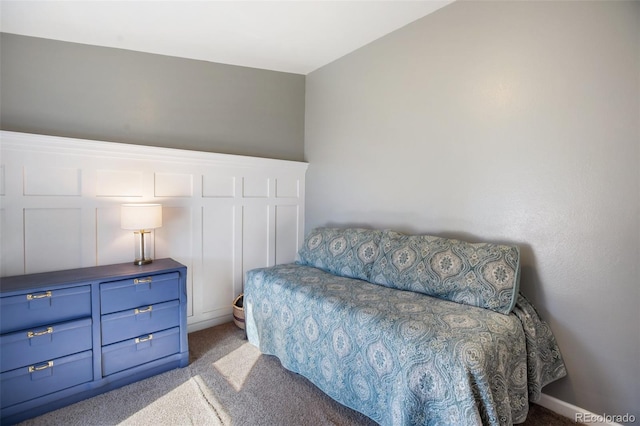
pixel 143 349
pixel 30 382
pixel 44 307
pixel 39 344
pixel 142 291
pixel 136 322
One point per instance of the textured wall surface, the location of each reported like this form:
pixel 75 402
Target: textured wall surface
pixel 89 92
pixel 513 122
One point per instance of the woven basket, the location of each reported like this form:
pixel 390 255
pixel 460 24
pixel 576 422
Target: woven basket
pixel 238 311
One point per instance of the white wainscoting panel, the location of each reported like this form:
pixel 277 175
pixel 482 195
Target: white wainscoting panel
pixel 222 214
pixel 256 244
pixel 288 187
pixel 286 238
pixel 113 244
pixel 173 185
pixel 119 183
pixel 219 186
pixel 53 238
pixel 255 187
pixel 218 254
pixel 12 240
pixel 52 181
pixel 175 240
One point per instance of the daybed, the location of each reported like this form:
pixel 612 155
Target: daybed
pixel 406 329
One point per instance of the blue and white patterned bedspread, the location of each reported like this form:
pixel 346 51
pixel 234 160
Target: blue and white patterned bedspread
pixel 401 358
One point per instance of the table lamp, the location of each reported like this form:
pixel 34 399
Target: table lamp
pixel 141 218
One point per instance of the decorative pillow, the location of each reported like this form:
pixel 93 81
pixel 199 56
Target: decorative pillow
pixel 484 275
pixel 346 252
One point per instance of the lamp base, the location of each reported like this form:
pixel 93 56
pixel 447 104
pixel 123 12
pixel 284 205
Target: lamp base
pixel 141 255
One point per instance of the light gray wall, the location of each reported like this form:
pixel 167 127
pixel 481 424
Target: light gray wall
pixel 513 122
pixel 75 90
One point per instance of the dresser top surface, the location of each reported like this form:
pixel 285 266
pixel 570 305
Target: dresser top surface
pixel 84 275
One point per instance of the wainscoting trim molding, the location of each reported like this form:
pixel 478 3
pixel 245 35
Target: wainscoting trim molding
pixel 222 214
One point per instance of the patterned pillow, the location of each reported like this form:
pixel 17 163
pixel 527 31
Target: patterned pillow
pixel 346 252
pixel 484 275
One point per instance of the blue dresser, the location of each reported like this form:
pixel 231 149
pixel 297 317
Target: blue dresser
pixel 69 335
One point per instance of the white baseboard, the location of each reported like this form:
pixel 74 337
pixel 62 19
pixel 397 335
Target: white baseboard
pixel 209 323
pixel 572 412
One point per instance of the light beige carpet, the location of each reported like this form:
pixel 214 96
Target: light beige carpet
pixel 228 382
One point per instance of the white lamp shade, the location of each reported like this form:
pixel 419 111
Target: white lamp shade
pixel 140 216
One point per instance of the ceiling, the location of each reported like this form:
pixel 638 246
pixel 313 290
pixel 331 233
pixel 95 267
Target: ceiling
pixel 289 36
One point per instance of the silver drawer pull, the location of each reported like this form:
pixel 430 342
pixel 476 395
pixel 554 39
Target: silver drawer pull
pixel 39 296
pixel 40 367
pixel 143 311
pixel 144 339
pixel 31 334
pixel 142 280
